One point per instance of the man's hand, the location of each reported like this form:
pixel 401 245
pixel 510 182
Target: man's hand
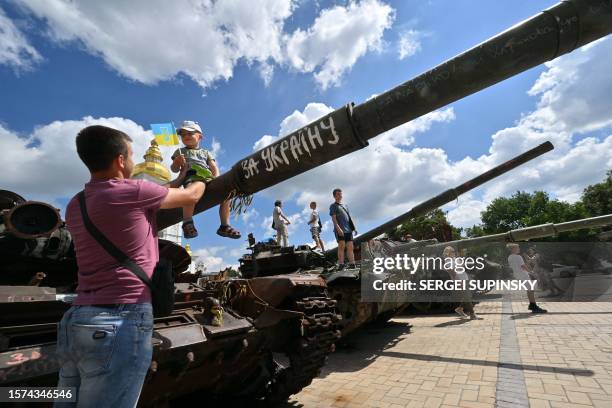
pixel 339 230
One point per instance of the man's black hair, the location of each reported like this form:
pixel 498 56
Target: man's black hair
pixel 277 203
pixel 98 146
pixel 336 190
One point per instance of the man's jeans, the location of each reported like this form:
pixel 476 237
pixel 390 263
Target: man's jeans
pixel 105 353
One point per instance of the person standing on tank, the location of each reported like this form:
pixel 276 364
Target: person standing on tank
pixel 315 226
pixel 279 223
pixel 104 339
pixel 343 229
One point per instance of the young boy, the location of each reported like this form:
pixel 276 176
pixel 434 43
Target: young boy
pixel 201 168
pixel 315 226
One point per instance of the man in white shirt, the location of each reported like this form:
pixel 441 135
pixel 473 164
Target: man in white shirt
pixel 521 271
pixel 280 222
pixel 315 226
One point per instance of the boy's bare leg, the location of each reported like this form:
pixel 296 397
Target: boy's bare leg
pixel 351 254
pixel 198 188
pixel 341 252
pixel 226 230
pixel 224 212
pixel 320 244
pixel 189 229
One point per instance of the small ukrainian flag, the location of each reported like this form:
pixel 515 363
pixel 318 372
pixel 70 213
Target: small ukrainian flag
pixel 165 134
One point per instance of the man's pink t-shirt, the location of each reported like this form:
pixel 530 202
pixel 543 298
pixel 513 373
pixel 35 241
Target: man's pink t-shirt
pixel 124 211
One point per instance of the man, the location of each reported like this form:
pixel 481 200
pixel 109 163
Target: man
pixel 315 226
pixel 343 229
pixel 104 339
pixel 522 271
pixel 279 223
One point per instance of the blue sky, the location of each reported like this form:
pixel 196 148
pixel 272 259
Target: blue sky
pixel 247 72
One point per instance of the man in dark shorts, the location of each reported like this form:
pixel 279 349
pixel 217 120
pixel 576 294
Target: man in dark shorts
pixel 343 229
pixel 104 339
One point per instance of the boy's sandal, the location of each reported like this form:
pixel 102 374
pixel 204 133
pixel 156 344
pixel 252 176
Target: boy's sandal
pixel 228 232
pixel 189 230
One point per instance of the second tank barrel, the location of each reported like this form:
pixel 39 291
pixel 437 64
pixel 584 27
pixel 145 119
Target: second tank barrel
pixel 453 193
pixel 521 234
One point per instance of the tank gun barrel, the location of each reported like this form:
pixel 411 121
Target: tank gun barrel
pixel 29 220
pixel 523 234
pixel 453 193
pixel 543 37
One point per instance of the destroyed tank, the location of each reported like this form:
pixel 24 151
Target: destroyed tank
pixel 597 255
pixel 263 316
pixel 270 339
pixel 344 284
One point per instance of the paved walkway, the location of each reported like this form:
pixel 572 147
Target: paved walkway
pixel 510 358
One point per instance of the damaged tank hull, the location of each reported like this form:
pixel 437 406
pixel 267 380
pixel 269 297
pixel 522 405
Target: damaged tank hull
pixel 274 338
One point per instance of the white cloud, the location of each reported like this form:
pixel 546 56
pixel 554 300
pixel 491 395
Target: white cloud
pixel 249 217
pixel 154 40
pixel 210 256
pixel 566 93
pixel 157 40
pixel 15 50
pixel 409 44
pixel 215 148
pixel 44 165
pixel 465 213
pixel 338 38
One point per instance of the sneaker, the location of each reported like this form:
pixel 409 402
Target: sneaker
pixel 352 266
pixel 537 309
pixel 340 267
pixel 461 313
pixel 473 316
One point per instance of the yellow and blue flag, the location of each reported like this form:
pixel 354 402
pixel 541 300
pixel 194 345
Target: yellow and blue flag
pixel 165 134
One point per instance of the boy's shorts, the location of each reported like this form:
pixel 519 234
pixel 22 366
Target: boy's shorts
pixel 315 232
pixel 197 173
pixel 346 237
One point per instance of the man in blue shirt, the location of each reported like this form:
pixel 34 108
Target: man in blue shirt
pixel 343 229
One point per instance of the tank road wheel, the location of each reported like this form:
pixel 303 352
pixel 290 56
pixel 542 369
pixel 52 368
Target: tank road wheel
pixel 308 354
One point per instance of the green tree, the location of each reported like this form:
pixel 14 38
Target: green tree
pixel 597 198
pixel 431 225
pixel 524 209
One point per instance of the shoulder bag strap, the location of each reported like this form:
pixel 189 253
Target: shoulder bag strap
pixel 110 247
pixel 347 213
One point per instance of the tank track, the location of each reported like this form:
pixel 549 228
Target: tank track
pixel 309 353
